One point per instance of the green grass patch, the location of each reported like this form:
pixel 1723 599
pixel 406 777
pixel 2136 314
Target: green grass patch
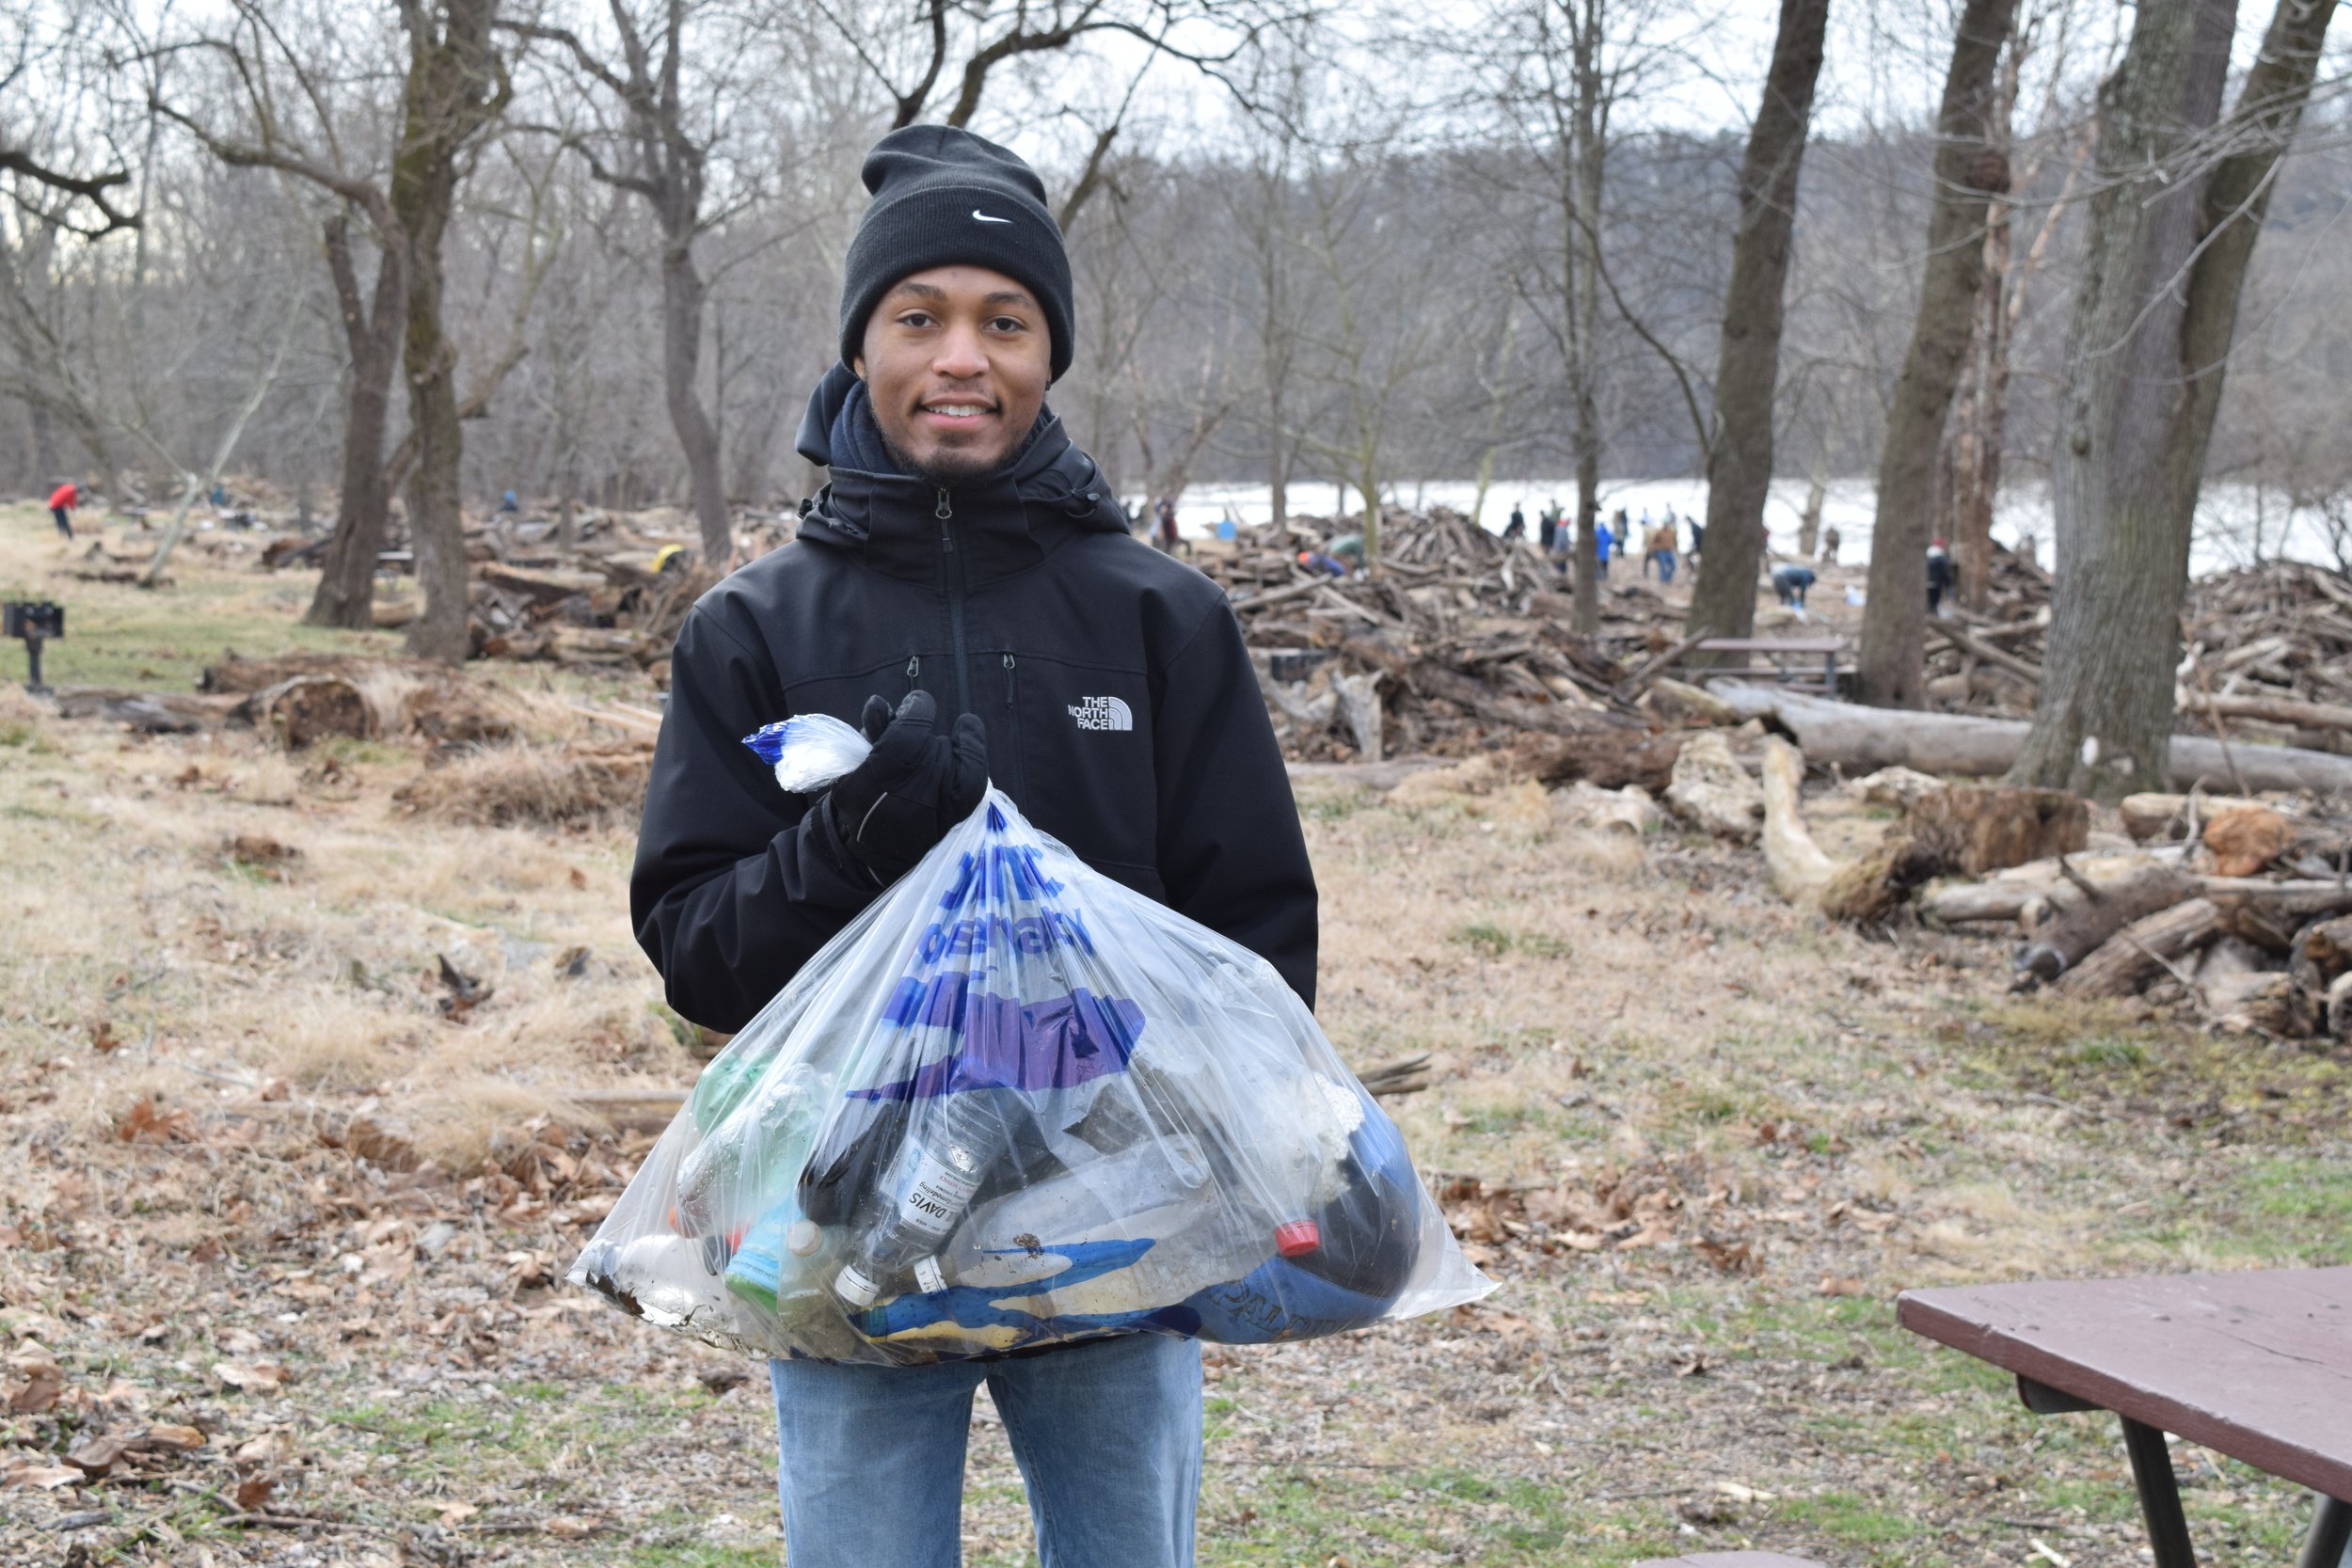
pixel 1491 940
pixel 162 639
pixel 2302 1209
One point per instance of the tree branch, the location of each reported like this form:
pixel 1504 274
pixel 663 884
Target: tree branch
pixel 91 189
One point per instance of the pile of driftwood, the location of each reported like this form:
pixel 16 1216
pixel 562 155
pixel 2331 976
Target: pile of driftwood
pixel 591 589
pixel 609 611
pixel 2269 656
pixel 1459 639
pixel 2241 907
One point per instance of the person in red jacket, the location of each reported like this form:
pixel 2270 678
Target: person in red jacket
pixel 62 501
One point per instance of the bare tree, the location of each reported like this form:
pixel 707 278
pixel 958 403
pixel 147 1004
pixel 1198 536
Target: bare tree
pixel 2173 220
pixel 670 123
pixel 455 87
pixel 1373 336
pixel 1969 171
pixel 372 320
pixel 1740 455
pixel 1975 435
pixel 1567 66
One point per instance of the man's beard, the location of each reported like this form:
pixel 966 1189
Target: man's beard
pixel 946 470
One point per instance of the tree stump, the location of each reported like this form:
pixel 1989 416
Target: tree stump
pixel 309 708
pixel 1982 829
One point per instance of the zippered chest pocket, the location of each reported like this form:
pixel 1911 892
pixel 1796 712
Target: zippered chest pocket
pixel 1085 765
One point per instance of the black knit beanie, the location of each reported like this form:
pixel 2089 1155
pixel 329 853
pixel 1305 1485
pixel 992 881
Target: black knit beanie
pixel 943 197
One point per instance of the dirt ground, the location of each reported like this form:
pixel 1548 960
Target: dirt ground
pixel 1701 1140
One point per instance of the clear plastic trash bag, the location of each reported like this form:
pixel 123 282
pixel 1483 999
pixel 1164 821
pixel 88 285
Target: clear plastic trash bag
pixel 1015 1103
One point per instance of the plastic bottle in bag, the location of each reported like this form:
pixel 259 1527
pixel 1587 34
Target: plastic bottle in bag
pixel 1151 1191
pixel 749 1159
pixel 937 1172
pixel 784 1270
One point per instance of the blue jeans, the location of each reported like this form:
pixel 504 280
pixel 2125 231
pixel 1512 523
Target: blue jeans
pixel 1666 565
pixel 1107 1435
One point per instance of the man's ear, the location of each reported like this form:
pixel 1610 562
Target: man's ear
pixel 857 366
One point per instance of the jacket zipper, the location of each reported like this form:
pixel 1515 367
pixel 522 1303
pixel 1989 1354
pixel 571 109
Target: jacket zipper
pixel 915 671
pixel 1009 677
pixel 951 570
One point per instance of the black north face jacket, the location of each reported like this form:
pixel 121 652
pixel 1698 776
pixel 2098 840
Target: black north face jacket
pixel 1123 716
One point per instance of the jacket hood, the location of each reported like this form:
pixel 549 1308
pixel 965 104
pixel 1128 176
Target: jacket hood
pixel 894 517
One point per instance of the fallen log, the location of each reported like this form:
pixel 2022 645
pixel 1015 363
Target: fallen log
pixel 309 708
pixel 1606 759
pixel 2015 893
pixel 2262 1003
pixel 1982 828
pixel 2143 950
pixel 2276 710
pixel 1674 699
pixel 1976 649
pixel 2062 943
pixel 2158 814
pixel 1800 869
pixel 1851 735
pixel 148 712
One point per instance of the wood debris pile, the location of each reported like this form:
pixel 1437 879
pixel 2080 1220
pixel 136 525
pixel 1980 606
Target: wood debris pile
pixel 2239 907
pixel 618 613
pixel 1457 641
pixel 2269 653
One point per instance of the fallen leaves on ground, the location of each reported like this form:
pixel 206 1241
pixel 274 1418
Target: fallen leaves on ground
pixel 149 1121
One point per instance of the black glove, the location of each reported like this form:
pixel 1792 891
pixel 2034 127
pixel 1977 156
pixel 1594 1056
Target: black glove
pixel 887 812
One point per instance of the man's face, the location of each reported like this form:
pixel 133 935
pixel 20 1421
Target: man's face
pixel 956 360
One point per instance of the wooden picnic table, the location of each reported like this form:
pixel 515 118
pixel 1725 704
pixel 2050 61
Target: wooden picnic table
pixel 2256 1366
pixel 1729 658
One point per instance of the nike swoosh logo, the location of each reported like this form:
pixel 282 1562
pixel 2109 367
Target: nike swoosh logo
pixel 983 217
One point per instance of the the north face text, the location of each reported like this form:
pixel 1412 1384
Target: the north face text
pixel 1102 713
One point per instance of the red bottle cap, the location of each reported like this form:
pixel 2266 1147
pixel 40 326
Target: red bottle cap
pixel 1296 1238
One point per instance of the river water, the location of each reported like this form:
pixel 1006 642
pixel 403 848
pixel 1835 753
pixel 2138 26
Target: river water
pixel 2236 524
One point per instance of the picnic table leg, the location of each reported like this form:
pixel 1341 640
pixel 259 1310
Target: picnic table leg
pixel 2160 1494
pixel 2329 1545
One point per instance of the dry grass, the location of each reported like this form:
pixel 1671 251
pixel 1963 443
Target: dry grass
pixel 579 784
pixel 1871 1112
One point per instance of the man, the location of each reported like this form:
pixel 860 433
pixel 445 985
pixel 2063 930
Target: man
pixel 1548 527
pixel 1516 527
pixel 1791 581
pixel 62 501
pixel 965 588
pixel 1828 546
pixel 1169 538
pixel 1661 544
pixel 1940 576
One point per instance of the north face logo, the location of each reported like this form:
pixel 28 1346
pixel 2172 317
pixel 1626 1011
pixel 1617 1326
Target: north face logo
pixel 1102 713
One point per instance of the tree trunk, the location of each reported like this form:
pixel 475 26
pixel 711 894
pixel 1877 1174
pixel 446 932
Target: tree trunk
pixel 1809 521
pixel 682 292
pixel 346 591
pixel 1856 737
pixel 1893 658
pixel 45 442
pixel 455 87
pixel 2146 365
pixel 1278 491
pixel 1583 299
pixel 1740 457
